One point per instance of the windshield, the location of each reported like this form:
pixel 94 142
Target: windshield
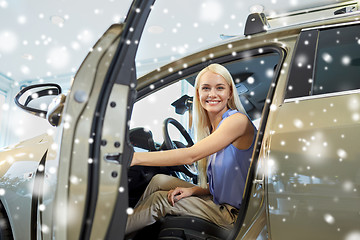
pixel 151 111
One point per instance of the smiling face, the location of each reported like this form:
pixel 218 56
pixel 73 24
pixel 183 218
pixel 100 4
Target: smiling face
pixel 214 93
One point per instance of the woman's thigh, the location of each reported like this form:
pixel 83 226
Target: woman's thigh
pixel 162 182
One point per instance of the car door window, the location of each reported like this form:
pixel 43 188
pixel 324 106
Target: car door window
pixel 326 61
pixel 253 76
pixel 337 63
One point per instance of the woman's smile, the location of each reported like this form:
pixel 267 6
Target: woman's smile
pixel 213 102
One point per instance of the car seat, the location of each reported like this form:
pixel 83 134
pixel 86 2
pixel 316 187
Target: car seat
pixel 188 227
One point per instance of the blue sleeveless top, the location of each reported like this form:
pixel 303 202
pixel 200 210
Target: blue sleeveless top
pixel 227 171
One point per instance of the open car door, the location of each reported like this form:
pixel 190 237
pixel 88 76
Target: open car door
pixel 91 194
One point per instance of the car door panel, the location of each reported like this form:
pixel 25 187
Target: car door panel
pixel 111 162
pixel 314 175
pixel 72 182
pixel 95 156
pixel 313 172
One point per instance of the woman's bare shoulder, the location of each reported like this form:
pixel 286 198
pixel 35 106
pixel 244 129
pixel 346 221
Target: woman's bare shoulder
pixel 237 119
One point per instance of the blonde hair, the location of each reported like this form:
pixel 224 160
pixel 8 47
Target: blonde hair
pixel 202 122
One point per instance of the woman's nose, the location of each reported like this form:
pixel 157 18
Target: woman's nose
pixel 212 92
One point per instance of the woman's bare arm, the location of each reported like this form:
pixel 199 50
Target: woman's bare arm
pixel 231 129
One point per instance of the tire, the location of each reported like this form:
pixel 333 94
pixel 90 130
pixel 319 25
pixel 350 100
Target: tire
pixel 5 229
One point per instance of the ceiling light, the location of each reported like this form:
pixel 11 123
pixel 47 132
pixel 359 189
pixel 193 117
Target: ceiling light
pixel 57 20
pixel 8 41
pixel 28 56
pixel 211 11
pixel 155 29
pixel 257 9
pixel 3 4
pixel 21 19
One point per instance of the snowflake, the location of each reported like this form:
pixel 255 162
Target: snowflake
pixel 329 218
pixel 327 57
pixel 130 211
pixel 346 60
pixel 355 235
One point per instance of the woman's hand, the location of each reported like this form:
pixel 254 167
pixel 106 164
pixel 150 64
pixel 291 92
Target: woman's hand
pixel 179 193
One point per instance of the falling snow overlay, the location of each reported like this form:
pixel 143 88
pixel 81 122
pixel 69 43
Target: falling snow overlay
pixel 308 157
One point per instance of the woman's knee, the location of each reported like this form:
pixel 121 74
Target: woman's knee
pixel 159 202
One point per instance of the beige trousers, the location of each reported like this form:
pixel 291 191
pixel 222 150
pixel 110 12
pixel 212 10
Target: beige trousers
pixel 154 205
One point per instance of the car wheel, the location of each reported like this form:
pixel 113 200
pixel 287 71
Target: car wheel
pixel 5 229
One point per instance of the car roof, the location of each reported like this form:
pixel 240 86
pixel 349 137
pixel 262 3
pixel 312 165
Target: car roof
pixel 335 19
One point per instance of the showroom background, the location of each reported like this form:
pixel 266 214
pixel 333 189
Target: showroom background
pixel 46 40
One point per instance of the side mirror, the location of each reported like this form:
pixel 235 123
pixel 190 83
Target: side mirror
pixel 35 99
pixel 55 109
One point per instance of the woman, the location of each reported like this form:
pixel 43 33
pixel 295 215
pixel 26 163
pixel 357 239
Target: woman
pixel 225 141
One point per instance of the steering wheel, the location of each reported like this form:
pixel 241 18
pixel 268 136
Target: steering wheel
pixel 189 170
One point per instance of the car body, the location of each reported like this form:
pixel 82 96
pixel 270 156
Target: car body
pixel 298 84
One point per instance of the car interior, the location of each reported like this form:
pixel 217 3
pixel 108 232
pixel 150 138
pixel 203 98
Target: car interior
pixel 253 77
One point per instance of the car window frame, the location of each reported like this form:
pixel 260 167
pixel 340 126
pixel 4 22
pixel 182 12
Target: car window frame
pixel 297 84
